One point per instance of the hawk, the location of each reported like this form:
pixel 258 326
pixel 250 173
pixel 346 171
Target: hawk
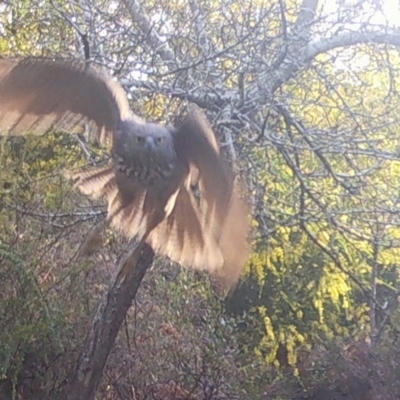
pixel 156 171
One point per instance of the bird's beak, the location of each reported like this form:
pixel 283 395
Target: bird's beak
pixel 149 144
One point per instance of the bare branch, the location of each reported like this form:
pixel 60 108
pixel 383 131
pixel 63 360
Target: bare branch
pixel 140 17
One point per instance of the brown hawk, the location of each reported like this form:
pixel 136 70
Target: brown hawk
pixel 149 186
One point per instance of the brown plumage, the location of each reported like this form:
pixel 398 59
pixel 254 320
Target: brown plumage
pixel 149 186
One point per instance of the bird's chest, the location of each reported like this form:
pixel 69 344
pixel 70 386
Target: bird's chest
pixel 147 172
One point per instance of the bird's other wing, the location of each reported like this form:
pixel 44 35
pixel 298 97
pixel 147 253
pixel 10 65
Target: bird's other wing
pixel 37 95
pixel 182 237
pixel 195 142
pixel 221 203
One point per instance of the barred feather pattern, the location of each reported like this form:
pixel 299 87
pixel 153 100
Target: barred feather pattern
pixel 181 234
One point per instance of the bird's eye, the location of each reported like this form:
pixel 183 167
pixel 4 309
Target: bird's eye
pixel 139 138
pixel 160 139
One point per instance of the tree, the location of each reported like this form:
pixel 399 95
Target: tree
pixel 303 96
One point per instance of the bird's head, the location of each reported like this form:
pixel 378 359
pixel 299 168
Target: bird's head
pixel 143 141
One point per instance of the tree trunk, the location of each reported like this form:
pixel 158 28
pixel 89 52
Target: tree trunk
pixel 105 326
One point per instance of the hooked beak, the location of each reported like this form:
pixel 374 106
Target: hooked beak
pixel 149 143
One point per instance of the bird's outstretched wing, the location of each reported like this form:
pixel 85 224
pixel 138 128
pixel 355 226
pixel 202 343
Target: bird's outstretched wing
pixel 221 204
pixel 195 142
pixel 184 238
pixel 37 95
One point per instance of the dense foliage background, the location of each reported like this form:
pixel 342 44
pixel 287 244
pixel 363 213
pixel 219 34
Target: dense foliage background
pixel 304 97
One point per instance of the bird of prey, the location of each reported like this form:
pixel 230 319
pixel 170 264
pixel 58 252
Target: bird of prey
pixel 150 186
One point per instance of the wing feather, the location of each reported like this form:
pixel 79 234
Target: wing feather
pixel 183 237
pixel 132 216
pixel 196 143
pixel 221 203
pixel 37 95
